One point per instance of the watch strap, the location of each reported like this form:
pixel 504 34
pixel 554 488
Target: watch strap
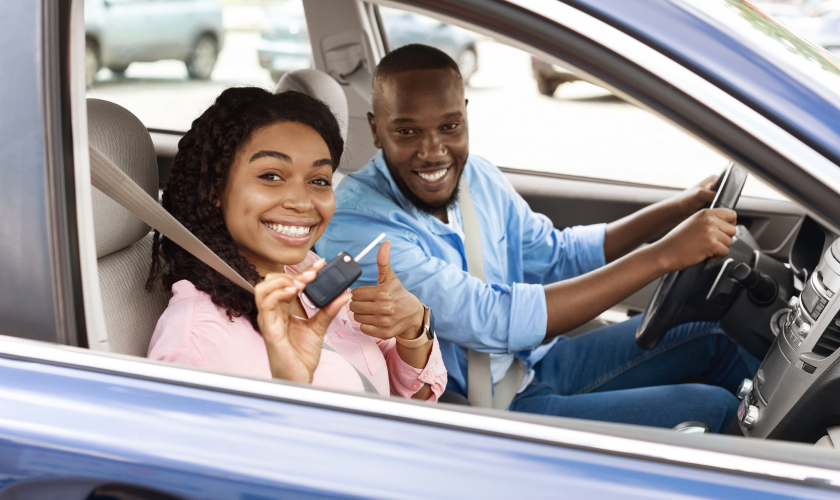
pixel 425 336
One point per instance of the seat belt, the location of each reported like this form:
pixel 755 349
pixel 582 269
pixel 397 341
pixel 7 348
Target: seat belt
pixel 480 387
pixel 117 185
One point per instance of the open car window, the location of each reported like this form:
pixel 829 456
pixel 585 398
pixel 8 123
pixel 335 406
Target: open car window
pixel 532 115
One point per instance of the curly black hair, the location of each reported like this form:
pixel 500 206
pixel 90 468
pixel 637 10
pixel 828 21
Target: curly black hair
pixel 199 173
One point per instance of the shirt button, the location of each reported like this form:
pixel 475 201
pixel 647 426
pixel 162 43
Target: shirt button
pixel 415 386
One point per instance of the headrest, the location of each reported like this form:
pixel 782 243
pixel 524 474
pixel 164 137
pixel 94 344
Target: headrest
pixel 123 138
pixel 321 86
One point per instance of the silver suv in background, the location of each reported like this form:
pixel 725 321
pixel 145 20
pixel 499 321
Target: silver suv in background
pixel 284 44
pixel 120 32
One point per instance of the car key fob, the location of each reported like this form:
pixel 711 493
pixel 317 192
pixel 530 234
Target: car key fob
pixel 333 279
pixel 336 277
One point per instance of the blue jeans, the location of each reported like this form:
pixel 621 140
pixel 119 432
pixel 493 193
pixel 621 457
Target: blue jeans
pixel 603 375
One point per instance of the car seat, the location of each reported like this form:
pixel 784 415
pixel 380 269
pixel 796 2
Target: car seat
pixel 323 87
pixel 124 242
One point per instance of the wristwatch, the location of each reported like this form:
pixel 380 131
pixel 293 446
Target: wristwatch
pixel 426 335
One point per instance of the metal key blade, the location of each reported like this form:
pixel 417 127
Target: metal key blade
pixel 369 247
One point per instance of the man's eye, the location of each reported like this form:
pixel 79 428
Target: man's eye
pixel 322 182
pixel 405 131
pixel 271 177
pixel 451 126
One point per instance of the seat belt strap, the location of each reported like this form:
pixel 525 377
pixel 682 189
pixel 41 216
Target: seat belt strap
pixel 479 376
pixel 116 184
pixel 366 383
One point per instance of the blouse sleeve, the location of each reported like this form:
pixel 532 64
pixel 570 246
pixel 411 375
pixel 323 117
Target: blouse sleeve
pixel 406 380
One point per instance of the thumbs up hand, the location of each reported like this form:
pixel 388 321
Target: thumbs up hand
pixel 387 309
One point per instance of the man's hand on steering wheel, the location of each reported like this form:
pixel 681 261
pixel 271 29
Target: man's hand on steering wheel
pixel 705 235
pixel 696 197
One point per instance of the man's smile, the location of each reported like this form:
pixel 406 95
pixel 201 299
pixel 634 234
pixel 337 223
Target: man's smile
pixel 434 179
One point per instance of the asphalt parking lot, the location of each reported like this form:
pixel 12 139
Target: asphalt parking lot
pixel 581 130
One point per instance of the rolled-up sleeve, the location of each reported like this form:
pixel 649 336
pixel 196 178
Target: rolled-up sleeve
pixel 407 380
pixel 549 254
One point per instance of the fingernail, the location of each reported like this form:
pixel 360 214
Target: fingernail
pixel 321 261
pixel 298 283
pixel 309 274
pixel 291 289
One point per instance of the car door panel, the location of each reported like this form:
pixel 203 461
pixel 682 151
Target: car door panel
pixel 61 423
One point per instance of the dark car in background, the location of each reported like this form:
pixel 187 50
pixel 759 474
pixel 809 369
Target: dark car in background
pixel 284 45
pixel 117 33
pixel 550 76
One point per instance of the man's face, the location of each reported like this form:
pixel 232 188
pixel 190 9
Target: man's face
pixel 420 123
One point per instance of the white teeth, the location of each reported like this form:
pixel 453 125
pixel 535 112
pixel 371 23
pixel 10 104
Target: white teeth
pixel 288 230
pixel 432 177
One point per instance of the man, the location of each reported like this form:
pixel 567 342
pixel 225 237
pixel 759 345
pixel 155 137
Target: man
pixel 539 282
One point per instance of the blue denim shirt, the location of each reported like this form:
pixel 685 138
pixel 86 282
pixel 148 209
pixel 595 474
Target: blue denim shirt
pixel 522 250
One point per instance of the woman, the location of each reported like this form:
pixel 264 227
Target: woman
pixel 252 180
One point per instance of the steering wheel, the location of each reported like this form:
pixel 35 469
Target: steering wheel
pixel 676 287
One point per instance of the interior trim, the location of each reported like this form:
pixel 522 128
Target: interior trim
pixel 97 334
pixel 509 425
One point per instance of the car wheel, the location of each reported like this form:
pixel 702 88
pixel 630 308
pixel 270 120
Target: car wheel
pixel 203 58
pixel 118 70
pixel 547 87
pixel 91 62
pixel 467 63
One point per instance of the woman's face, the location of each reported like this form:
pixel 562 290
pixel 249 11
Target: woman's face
pixel 279 198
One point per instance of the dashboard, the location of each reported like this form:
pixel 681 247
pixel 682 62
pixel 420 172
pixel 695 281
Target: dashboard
pixel 792 395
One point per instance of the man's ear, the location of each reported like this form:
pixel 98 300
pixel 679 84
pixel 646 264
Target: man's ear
pixel 372 123
pixel 466 101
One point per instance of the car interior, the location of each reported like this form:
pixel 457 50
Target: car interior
pixel 781 252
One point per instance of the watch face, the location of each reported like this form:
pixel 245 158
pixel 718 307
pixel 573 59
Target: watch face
pixel 431 331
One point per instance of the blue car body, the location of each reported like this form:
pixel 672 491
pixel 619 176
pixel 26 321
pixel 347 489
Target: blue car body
pixel 73 422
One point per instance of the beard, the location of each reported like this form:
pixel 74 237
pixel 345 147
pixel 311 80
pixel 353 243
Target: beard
pixel 429 208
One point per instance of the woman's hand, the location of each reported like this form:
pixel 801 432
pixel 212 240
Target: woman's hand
pixel 293 344
pixel 388 309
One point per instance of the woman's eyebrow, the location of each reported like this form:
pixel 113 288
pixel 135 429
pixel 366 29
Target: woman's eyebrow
pixel 275 154
pixel 322 162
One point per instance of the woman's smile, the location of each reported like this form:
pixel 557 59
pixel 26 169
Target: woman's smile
pixel 292 231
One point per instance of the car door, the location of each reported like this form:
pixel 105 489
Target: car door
pixel 71 415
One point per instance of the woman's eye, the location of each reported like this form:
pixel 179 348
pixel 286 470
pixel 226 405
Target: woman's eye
pixel 271 177
pixel 322 182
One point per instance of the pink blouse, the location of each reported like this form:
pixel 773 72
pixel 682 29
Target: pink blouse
pixel 194 331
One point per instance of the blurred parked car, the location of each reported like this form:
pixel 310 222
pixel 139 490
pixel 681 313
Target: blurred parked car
pixel 285 43
pixel 550 76
pixel 120 32
pixel 404 28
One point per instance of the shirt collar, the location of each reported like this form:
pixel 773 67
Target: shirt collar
pixel 433 223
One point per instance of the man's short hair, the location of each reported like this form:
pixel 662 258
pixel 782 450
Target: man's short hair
pixel 412 57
